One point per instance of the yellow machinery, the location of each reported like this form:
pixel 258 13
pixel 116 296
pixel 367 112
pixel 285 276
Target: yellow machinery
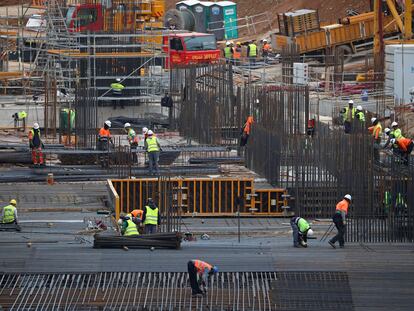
pixel 200 196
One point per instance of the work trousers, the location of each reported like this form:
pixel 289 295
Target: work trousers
pixel 103 145
pixel 150 229
pixel 339 224
pixel 347 127
pixel 192 274
pixel 243 139
pixel 295 232
pixel 117 101
pixel 153 162
pixel 37 155
pixel 134 147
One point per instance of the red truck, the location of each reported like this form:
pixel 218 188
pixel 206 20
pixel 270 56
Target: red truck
pixel 190 48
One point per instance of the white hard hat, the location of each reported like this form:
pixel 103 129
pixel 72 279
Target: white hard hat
pixel 36 126
pixel 348 196
pixel 231 42
pixel 394 124
pixel 107 122
pixel 150 133
pixel 264 40
pixel 310 232
pixel 119 221
pixel 127 125
pixel 373 120
pixel 227 43
pixel 387 130
pixel 118 80
pixel 144 130
pixel 393 140
pixel 351 102
pixel 359 108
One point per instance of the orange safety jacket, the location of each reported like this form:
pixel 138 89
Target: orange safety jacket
pixel 104 133
pixel 247 125
pixel 201 266
pixel 267 47
pixel 137 213
pixel 403 143
pixel 342 206
pixel 237 52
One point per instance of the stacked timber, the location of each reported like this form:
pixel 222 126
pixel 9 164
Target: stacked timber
pixel 157 240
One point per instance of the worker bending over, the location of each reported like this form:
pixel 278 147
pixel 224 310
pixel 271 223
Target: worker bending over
pixel 198 273
pixel 36 145
pixel 20 117
pixel 339 220
pixel 129 228
pixel 301 230
pixel 151 217
pixel 9 213
pixel 153 147
pixel 405 146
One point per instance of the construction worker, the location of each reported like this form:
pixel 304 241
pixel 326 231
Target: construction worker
pixel 348 116
pixel 395 130
pixel 137 213
pixel 145 133
pixel 237 52
pixel 129 228
pixel 104 138
pixel 376 130
pixel 405 146
pixel 245 133
pixel 132 140
pixel 339 220
pixel 153 147
pixel 199 273
pixel 395 149
pixel 36 145
pixel 117 89
pixel 20 117
pixel 151 217
pixel 266 48
pixel 228 52
pixel 300 230
pixel 360 115
pixel 9 213
pixel 252 52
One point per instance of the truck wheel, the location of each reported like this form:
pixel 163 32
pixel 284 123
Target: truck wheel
pixel 347 51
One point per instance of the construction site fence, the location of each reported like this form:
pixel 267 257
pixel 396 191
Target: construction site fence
pixel 200 197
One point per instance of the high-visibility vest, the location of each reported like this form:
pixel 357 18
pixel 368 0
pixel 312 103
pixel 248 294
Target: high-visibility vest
pixel 104 133
pixel 303 225
pixel 31 134
pixel 22 114
pixel 201 266
pixel 377 128
pixel 8 214
pixel 361 116
pixel 237 51
pixel 117 87
pixel 397 133
pixel 342 206
pixel 151 217
pixel 132 137
pixel 346 113
pixel 227 52
pixel 252 50
pixel 131 229
pixel 152 144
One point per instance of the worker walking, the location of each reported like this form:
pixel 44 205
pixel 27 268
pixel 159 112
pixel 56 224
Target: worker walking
pixel 9 213
pixel 129 228
pixel 348 115
pixel 117 89
pixel 339 220
pixel 20 117
pixel 36 145
pixel 405 146
pixel 300 230
pixel 228 52
pixel 245 132
pixel 132 140
pixel 104 139
pixel 151 217
pixel 199 273
pixel 266 48
pixel 252 52
pixel 153 147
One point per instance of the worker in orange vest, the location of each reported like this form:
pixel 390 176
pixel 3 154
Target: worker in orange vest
pixel 245 133
pixel 339 220
pixel 104 138
pixel 198 273
pixel 405 145
pixel 266 48
pixel 237 52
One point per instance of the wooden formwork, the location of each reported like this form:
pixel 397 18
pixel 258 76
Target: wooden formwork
pixel 200 196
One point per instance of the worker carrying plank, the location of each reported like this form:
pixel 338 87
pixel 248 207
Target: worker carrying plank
pixel 300 230
pixel 199 273
pixel 339 220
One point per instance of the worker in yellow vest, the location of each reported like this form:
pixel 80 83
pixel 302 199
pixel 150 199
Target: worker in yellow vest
pixel 117 89
pixel 228 52
pixel 20 117
pixel 252 52
pixel 129 228
pixel 9 213
pixel 151 217
pixel 153 148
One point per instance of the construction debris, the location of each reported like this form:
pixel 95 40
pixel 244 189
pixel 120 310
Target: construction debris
pixel 159 240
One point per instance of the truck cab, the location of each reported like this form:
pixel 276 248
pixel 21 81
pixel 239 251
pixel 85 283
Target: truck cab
pixel 85 17
pixel 190 48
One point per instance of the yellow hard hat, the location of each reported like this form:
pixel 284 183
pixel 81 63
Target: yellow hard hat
pixel 238 42
pixel 13 201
